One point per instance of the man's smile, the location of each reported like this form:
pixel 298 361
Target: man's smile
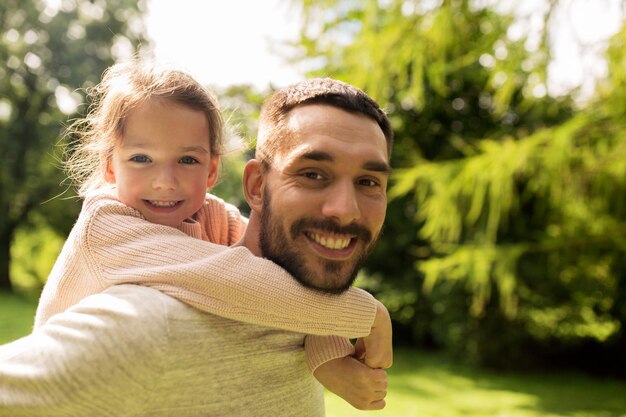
pixel 337 247
pixel 336 242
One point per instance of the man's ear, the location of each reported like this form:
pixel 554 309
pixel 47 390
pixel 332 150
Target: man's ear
pixel 213 172
pixel 109 173
pixel 253 184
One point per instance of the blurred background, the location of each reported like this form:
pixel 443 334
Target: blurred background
pixel 502 259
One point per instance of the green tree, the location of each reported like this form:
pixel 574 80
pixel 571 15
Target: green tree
pixel 240 105
pixel 50 50
pixel 502 233
pixel 538 225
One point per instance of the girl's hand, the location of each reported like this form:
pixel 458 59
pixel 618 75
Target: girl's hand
pixel 376 350
pixel 361 386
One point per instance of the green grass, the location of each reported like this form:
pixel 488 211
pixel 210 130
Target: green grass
pixel 17 314
pixel 429 384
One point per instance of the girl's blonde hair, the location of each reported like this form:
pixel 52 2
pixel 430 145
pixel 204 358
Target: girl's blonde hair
pixel 124 87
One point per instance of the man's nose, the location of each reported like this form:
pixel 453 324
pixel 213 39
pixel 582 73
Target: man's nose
pixel 341 203
pixel 165 179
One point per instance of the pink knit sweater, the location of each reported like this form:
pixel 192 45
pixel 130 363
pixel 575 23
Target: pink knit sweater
pixel 112 244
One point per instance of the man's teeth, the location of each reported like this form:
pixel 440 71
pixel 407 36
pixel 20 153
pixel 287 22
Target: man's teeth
pixel 163 203
pixel 330 243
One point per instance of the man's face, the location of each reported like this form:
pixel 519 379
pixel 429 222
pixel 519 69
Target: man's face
pixel 325 197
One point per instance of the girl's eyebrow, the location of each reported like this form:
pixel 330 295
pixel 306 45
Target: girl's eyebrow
pixel 134 143
pixel 142 145
pixel 200 149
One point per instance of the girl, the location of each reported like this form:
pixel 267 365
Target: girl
pixel 149 149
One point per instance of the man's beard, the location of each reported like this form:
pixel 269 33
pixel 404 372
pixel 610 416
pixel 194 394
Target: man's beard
pixel 280 249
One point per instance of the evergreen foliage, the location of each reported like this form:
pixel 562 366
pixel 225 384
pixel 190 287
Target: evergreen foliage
pixel 505 233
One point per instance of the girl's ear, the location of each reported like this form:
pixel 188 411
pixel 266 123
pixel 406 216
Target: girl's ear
pixel 253 184
pixel 213 172
pixel 109 173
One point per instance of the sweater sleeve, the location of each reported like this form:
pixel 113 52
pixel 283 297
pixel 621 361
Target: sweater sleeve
pixel 228 282
pixel 321 349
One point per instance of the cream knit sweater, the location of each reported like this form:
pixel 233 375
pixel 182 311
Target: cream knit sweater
pixel 112 244
pixel 132 351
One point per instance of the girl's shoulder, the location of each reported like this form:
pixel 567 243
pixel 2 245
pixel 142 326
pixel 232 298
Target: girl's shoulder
pixel 222 222
pixel 104 201
pixel 214 203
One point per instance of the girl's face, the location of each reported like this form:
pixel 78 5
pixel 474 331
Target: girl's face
pixel 163 165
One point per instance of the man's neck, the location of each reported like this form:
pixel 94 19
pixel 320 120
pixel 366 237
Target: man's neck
pixel 250 238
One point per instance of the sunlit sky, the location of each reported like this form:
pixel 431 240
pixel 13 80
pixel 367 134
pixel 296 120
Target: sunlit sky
pixel 224 42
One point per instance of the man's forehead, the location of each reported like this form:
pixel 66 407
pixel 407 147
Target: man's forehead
pixel 312 128
pixel 326 120
pixel 319 115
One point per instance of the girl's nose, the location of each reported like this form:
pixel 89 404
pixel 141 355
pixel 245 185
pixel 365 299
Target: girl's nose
pixel 165 179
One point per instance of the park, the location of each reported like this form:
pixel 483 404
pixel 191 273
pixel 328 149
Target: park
pixel 501 260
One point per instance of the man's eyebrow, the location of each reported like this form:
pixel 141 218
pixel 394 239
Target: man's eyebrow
pixel 316 156
pixel 377 166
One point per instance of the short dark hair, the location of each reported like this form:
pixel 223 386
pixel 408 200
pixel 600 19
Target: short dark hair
pixel 326 91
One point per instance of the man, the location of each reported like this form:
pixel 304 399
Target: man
pixel 317 187
pixel 317 194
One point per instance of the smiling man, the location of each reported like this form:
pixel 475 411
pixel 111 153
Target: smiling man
pixel 317 187
pixel 317 193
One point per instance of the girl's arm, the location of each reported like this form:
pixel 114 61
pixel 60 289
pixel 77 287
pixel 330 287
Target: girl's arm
pixel 375 350
pixel 229 282
pixel 356 375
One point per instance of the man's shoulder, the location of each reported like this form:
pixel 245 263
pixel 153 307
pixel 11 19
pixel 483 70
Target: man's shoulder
pixel 123 310
pixel 134 301
pixel 144 306
pixel 132 294
pixel 186 344
pixel 127 318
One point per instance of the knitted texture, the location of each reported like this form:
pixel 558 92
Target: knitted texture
pixel 112 244
pixel 133 351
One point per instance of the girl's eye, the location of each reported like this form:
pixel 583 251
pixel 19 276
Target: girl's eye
pixel 188 160
pixel 142 159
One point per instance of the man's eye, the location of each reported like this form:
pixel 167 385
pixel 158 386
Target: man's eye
pixel 188 160
pixel 367 182
pixel 313 176
pixel 142 159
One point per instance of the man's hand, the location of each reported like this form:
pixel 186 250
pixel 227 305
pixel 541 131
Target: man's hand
pixel 364 388
pixel 376 350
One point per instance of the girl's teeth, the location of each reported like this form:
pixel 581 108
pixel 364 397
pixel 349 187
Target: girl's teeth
pixel 163 203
